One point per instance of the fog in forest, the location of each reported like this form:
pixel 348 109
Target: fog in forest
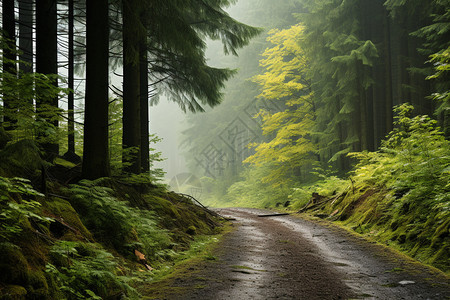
pixel 168 121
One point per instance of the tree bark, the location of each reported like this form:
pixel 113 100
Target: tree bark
pixel 8 24
pixel 70 104
pixel 26 35
pixel 96 148
pixel 131 139
pixel 143 95
pixel 47 63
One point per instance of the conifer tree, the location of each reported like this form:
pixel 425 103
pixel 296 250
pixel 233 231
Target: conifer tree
pixel 177 59
pixel 47 63
pixel 9 58
pixel 95 147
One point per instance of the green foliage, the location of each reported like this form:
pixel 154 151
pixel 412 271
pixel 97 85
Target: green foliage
pixel 86 271
pixel 340 61
pixel 414 159
pixel 252 191
pixel 114 221
pixel 412 168
pixel 26 121
pixel 119 157
pixel 327 187
pixel 441 63
pixel 15 209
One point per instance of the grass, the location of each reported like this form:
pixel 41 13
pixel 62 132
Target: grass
pixel 161 282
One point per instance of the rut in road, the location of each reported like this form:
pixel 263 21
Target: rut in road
pixel 292 258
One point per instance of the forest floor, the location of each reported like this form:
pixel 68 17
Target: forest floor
pixel 289 257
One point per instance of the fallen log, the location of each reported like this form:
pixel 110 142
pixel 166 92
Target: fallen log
pixel 274 215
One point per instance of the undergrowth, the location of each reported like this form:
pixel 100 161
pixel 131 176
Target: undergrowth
pixel 399 195
pixel 81 244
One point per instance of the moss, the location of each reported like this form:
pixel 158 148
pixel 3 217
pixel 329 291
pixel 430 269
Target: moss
pixel 13 292
pixel 441 233
pixel 21 159
pixel 64 212
pixel 37 286
pixel 191 230
pixel 13 264
pixel 62 162
pixel 441 258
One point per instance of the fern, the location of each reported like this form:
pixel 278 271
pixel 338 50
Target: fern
pixel 12 211
pixel 116 222
pixel 86 271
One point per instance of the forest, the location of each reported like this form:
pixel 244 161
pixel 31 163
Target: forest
pixel 338 109
pixel 346 99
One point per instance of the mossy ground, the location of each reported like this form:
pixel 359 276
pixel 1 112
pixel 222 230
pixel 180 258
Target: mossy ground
pixel 378 215
pixel 185 267
pixel 27 250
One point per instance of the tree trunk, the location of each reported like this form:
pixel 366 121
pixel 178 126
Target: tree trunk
pixel 26 14
pixel 47 63
pixel 26 35
pixel 96 148
pixel 9 32
pixel 70 104
pixel 131 139
pixel 143 95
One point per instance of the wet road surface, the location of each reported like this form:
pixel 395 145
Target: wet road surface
pixel 287 257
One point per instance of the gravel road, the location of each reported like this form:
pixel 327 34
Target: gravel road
pixel 287 257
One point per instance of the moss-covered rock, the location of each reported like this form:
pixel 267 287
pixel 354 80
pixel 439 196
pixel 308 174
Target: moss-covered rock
pixel 13 265
pixel 67 218
pixel 13 292
pixel 21 159
pixel 37 286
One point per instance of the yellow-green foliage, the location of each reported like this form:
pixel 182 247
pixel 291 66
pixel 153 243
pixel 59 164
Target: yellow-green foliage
pixel 252 191
pixel 290 145
pixel 328 186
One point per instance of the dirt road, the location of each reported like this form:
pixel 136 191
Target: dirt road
pixel 288 257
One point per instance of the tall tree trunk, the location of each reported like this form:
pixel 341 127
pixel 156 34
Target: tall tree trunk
pixel 96 148
pixel 26 14
pixel 131 139
pixel 9 56
pixel 143 95
pixel 70 104
pixel 389 103
pixel 47 63
pixel 26 35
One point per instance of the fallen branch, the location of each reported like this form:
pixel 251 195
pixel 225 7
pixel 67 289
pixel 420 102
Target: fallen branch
pixel 314 205
pixel 213 213
pixel 274 215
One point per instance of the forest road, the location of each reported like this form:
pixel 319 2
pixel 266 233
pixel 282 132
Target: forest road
pixel 287 257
